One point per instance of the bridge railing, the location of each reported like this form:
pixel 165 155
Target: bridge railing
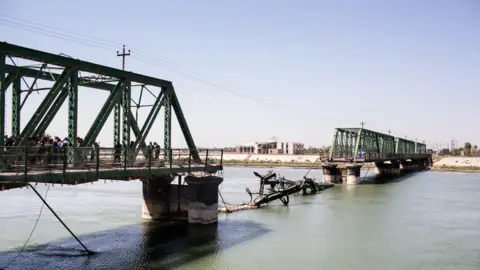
pixel 18 159
pixel 372 157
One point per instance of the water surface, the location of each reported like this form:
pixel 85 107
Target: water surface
pixel 428 220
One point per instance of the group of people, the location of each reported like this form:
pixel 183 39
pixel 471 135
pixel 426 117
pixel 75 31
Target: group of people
pixel 48 149
pixel 153 151
pixel 44 149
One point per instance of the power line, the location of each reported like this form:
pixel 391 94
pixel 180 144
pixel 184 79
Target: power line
pixel 110 45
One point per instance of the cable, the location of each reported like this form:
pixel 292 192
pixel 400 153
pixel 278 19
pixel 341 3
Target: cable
pixel 31 233
pixel 110 46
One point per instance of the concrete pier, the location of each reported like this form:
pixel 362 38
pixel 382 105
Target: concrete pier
pixel 387 169
pixel 203 199
pixel 408 166
pixel 331 174
pixel 164 201
pixel 353 173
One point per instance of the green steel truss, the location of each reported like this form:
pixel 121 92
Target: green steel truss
pixel 357 144
pixel 119 83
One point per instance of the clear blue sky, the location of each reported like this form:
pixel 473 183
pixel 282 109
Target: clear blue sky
pixel 412 67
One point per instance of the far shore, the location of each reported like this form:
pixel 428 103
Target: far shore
pixel 469 169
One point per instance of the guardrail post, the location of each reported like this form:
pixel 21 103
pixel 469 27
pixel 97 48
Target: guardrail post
pixel 206 160
pixel 64 157
pixel 125 155
pixel 150 162
pixel 170 159
pixel 25 169
pixel 97 154
pixel 189 160
pixel 221 158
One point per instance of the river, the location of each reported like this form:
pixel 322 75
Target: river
pixel 427 220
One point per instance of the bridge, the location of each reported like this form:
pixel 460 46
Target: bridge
pixel 352 147
pixel 22 161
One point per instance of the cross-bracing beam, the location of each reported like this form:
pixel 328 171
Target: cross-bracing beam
pixel 119 83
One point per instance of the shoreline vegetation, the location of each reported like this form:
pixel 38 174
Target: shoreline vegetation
pixel 305 165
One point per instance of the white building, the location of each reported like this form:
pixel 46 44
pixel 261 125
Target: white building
pixel 272 146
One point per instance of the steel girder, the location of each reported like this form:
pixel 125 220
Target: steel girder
pixel 3 88
pixel 72 92
pixel 125 121
pixel 44 57
pixel 167 136
pixel 184 126
pixel 16 100
pixel 66 86
pixel 349 143
pixel 102 116
pixel 41 111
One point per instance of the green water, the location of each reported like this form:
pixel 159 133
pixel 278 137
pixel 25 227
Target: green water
pixel 428 220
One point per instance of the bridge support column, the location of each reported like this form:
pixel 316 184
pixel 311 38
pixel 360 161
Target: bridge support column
pixel 203 199
pixel 331 174
pixel 421 164
pixel 395 167
pixel 384 169
pixel 164 201
pixel 406 166
pixel 353 173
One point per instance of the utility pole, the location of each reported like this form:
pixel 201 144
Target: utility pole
pixel 123 55
pixel 362 123
pixel 116 112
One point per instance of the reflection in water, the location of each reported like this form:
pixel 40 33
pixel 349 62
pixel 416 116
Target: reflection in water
pixel 145 245
pixel 427 220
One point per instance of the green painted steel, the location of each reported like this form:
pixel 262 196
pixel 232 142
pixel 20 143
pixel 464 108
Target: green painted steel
pixel 102 116
pixel 16 100
pixel 40 56
pixel 50 114
pixel 167 126
pixel 29 129
pixel 52 76
pixel 66 85
pixel 125 121
pixel 157 105
pixel 72 115
pixel 183 125
pixel 3 89
pixel 116 123
pixel 357 144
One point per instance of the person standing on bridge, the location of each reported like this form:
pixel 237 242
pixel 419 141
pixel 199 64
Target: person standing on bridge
pixel 118 152
pixel 150 150
pixel 157 150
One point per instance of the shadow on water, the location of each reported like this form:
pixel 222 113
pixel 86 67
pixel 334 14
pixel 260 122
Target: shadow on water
pixel 145 245
pixel 387 179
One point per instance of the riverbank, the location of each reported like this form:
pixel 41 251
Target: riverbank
pixel 457 164
pixel 448 164
pixel 467 169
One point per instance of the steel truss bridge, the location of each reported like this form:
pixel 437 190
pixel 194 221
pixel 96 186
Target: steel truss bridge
pixel 363 145
pixel 67 75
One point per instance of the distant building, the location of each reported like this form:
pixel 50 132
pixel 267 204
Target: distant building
pixel 272 146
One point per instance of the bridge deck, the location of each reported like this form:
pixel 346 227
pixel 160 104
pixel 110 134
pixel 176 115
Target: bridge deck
pixel 106 164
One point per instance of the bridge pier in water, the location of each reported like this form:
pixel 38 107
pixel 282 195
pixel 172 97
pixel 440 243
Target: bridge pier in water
pixel 196 202
pixel 353 173
pixel 388 169
pixel 331 174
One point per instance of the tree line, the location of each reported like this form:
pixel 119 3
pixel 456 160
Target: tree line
pixel 467 150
